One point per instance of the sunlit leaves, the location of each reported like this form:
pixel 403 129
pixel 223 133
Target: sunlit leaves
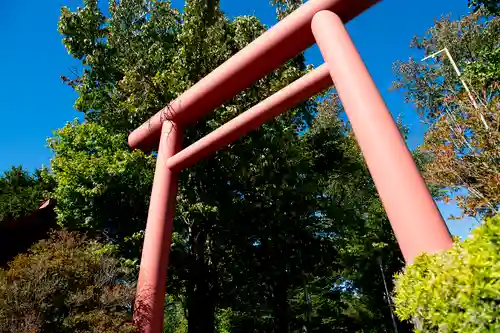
pixel 462 136
pixel 101 186
pixel 456 290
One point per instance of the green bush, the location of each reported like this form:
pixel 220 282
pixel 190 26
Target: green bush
pixel 66 284
pixel 457 290
pixel 174 317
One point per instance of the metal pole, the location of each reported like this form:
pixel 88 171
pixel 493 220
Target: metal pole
pixel 464 84
pixel 150 298
pixel 387 294
pixel 414 217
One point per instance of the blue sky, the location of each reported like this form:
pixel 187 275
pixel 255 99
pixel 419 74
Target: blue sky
pixel 35 102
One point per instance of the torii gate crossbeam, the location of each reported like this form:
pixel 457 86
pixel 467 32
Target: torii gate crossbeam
pixel 413 215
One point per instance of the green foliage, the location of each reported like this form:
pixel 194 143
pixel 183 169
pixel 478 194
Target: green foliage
pixel 462 139
pixel 175 319
pixel 223 320
pixel 485 71
pixel 285 7
pixel 430 86
pixel 492 6
pixel 66 284
pixel 22 193
pixel 456 290
pixel 101 186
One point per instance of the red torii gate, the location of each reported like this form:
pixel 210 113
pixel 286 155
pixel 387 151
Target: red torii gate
pixel 414 217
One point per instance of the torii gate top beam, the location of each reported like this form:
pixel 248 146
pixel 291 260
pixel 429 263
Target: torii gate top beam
pixel 283 41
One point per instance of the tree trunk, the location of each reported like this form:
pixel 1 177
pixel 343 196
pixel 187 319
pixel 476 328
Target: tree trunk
pixel 201 310
pixel 281 310
pixel 201 301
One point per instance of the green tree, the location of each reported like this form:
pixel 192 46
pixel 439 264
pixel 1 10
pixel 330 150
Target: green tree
pixel 102 187
pixel 21 192
pixel 285 7
pixel 462 139
pixel 255 222
pixel 192 55
pixel 362 234
pixel 66 284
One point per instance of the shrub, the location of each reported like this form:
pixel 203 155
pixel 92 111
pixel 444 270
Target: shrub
pixel 66 284
pixel 174 320
pixel 457 290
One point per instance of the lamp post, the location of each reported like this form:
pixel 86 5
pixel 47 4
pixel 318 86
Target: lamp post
pixel 459 74
pixel 387 294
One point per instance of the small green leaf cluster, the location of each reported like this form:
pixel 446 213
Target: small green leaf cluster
pixel 486 69
pixel 457 290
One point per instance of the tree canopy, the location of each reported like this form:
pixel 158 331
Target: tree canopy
pixel 462 138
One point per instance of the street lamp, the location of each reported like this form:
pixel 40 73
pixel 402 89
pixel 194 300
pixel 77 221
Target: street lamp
pixel 459 74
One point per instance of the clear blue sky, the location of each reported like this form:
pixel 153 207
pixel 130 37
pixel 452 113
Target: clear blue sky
pixel 35 102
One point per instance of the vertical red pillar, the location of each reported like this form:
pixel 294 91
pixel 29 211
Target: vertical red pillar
pixel 150 298
pixel 414 217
